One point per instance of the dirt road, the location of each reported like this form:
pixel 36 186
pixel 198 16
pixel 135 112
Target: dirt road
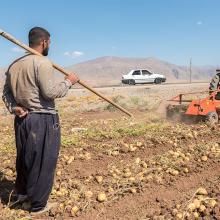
pixel 138 89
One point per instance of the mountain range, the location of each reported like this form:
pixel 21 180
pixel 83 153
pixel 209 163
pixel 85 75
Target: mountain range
pixel 105 71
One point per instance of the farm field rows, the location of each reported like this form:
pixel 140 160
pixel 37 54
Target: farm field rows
pixel 112 167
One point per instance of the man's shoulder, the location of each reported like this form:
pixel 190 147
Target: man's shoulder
pixel 39 60
pixel 33 59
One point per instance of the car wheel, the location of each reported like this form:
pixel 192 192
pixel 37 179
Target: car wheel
pixel 131 82
pixel 158 81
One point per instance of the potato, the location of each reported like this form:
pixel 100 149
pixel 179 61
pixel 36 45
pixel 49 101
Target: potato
pixel 149 177
pixel 115 153
pixel 58 173
pixel 58 193
pixel 186 158
pixel 212 203
pixel 68 202
pixel 61 206
pixel 101 197
pixel 88 194
pixel 178 206
pixel 204 158
pixel 202 208
pixel 110 189
pixel 179 215
pixel 159 169
pixel 66 157
pixel 7 161
pixel 196 215
pixel 9 173
pixel 137 160
pixel 117 171
pixel 158 179
pixel 63 190
pixel 176 154
pixel 53 192
pixel 174 172
pixel 174 212
pixel 143 164
pixel 132 179
pixel 71 159
pixel 171 152
pixel 202 191
pixel 87 156
pixel 191 207
pixel 133 190
pixel 126 170
pixel 99 179
pixel 127 174
pixel 139 144
pixel 21 213
pixel 74 210
pixel 114 175
pixel 132 149
pixel 197 203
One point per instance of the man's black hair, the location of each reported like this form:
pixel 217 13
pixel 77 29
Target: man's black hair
pixel 36 35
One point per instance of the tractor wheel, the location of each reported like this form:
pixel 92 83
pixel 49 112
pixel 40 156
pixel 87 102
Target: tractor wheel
pixel 212 118
pixel 214 84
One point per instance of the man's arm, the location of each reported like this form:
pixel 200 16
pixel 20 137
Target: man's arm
pixel 8 97
pixel 10 102
pixel 49 86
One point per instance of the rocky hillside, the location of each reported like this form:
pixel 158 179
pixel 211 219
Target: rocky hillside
pixel 108 70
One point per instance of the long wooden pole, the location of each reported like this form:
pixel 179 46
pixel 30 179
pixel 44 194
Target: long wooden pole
pixel 32 51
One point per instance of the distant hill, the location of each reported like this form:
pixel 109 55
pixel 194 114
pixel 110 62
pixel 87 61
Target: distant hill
pixel 1 73
pixel 108 70
pixel 2 76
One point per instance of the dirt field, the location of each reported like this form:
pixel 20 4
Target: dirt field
pixel 114 167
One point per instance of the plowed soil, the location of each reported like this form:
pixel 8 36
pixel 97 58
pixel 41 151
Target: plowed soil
pixel 147 168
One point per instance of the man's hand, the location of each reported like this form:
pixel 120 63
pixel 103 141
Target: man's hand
pixel 72 78
pixel 20 111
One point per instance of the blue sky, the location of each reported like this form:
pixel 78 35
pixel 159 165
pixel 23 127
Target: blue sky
pixel 171 30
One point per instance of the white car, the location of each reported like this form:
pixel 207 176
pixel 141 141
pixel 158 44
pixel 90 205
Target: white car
pixel 142 76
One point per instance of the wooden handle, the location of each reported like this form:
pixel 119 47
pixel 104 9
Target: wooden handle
pixel 32 51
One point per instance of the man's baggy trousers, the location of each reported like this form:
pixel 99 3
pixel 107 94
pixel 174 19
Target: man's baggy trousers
pixel 38 143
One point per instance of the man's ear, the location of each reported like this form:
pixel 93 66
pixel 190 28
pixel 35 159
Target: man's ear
pixel 41 44
pixel 44 44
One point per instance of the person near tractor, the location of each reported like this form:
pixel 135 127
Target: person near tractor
pixel 29 93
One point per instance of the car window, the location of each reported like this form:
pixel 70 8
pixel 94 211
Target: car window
pixel 136 72
pixel 145 72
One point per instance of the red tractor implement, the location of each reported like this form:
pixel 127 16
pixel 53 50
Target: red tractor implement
pixel 206 108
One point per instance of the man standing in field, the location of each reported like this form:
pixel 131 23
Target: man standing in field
pixel 29 93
